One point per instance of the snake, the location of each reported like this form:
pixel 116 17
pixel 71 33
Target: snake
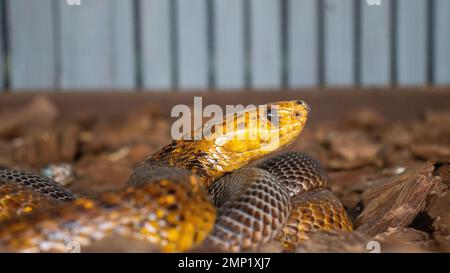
pixel 204 190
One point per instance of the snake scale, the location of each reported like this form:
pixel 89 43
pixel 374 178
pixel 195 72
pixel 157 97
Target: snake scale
pixel 190 193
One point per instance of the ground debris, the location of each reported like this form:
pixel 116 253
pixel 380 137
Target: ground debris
pixel 406 240
pixel 335 242
pixel 395 201
pixel 351 149
pixel 431 151
pixel 119 245
pixel 40 112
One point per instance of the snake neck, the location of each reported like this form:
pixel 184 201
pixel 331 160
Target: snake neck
pixel 198 157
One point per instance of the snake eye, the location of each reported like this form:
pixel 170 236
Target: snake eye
pixel 270 113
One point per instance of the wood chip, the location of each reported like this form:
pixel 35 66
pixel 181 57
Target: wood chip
pixel 335 242
pixel 432 151
pixel 395 201
pixel 352 149
pixel 39 113
pixel 406 240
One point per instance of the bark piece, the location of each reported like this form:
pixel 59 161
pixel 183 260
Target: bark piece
pixel 45 146
pixel 438 208
pixel 395 201
pixel 351 149
pixel 406 240
pixel 39 113
pixel 437 118
pixel 444 173
pixel 119 245
pixel 69 136
pixel 431 151
pixel 335 242
pixel 366 118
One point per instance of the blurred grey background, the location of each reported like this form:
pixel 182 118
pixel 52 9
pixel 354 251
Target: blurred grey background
pixel 223 44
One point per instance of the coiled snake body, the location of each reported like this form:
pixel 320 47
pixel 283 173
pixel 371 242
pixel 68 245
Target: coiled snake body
pixel 190 193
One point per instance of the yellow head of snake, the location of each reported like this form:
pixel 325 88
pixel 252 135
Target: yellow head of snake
pixel 224 145
pixel 254 132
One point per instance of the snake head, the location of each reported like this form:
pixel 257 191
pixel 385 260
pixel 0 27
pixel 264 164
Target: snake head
pixel 292 116
pixel 250 134
pixel 285 121
pixel 236 140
